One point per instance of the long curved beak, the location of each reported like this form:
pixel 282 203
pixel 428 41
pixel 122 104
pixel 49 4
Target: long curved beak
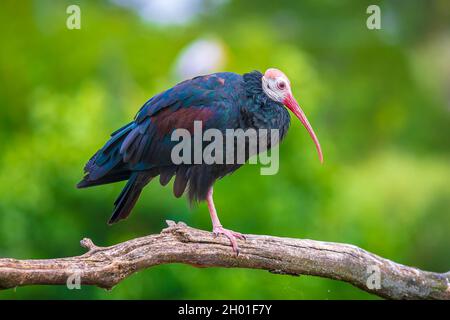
pixel 292 105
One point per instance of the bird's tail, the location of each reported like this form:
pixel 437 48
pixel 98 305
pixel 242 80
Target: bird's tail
pixel 128 197
pixel 106 165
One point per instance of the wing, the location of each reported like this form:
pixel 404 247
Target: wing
pixel 210 99
pixel 146 145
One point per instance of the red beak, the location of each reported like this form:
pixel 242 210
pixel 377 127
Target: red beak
pixel 292 104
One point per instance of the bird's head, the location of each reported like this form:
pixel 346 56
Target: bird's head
pixel 277 87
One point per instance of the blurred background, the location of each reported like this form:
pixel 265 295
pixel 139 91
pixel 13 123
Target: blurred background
pixel 379 101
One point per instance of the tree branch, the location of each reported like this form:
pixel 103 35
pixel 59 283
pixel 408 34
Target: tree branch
pixel 107 266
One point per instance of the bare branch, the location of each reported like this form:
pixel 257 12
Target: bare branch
pixel 107 266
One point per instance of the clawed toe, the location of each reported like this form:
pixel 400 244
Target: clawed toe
pixel 231 235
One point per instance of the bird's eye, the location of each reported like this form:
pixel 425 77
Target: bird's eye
pixel 281 85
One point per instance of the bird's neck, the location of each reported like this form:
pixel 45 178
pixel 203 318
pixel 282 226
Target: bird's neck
pixel 253 84
pixel 261 112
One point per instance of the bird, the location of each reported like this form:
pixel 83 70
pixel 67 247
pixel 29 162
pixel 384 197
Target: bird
pixel 141 150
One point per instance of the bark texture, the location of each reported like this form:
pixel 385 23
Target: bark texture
pixel 107 266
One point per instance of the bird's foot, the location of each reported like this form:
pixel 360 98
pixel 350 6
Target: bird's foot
pixel 231 235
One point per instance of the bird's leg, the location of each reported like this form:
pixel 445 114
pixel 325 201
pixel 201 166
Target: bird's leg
pixel 217 226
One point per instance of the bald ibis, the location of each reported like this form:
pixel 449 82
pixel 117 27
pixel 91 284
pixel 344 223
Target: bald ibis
pixel 141 150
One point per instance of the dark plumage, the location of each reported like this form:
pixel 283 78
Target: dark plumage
pixel 141 150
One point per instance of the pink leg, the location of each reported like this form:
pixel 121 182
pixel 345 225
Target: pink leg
pixel 217 226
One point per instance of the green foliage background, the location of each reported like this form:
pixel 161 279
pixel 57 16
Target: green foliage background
pixel 379 101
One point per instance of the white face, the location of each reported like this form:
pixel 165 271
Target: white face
pixel 276 85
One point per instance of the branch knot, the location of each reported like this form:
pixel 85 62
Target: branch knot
pixel 88 244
